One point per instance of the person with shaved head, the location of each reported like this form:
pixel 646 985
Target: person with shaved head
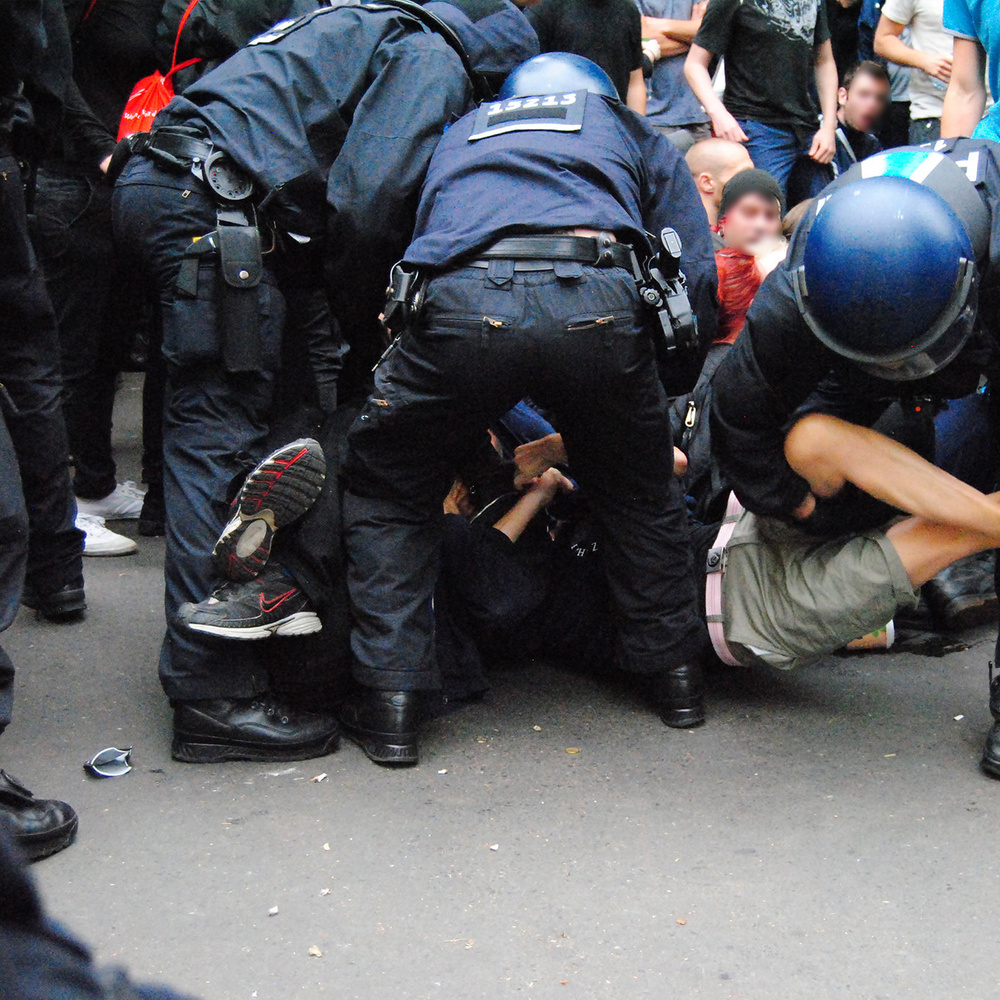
pixel 713 163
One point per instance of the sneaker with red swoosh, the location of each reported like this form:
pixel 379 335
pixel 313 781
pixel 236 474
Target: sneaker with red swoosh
pixel 276 493
pixel 270 605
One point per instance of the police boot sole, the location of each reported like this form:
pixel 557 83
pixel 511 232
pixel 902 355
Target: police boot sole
pixel 683 718
pixel 385 748
pixel 990 766
pixel 64 606
pixel 300 623
pixel 51 842
pixel 191 749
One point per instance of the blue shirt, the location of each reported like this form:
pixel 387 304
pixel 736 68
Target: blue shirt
pixel 671 102
pixel 979 20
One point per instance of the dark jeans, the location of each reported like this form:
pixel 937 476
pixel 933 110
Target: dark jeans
pixel 13 558
pixel 924 130
pixel 966 440
pixel 29 368
pixel 895 128
pixel 71 231
pixel 486 340
pixel 215 423
pixel 784 155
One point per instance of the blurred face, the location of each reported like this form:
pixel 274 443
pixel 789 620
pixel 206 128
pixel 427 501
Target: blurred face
pixel 749 221
pixel 863 105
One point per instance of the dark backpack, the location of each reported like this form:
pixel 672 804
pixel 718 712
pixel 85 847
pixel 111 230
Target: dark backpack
pixel 704 484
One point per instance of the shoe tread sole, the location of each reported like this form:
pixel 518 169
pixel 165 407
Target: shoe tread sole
pixel 299 623
pixel 290 480
pixel 384 753
pixel 188 750
pixel 44 845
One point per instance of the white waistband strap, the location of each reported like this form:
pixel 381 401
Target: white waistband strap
pixel 713 582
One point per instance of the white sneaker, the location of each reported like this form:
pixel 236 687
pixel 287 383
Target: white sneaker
pixel 101 541
pixel 123 503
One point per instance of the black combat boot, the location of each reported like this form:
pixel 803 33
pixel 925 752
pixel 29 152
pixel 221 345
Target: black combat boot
pixel 991 752
pixel 261 729
pixel 963 595
pixel 679 695
pixel 384 724
pixel 39 826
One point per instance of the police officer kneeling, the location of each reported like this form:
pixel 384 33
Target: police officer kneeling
pixel 890 292
pixel 523 230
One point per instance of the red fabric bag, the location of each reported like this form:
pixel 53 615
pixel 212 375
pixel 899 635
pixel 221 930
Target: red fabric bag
pixel 152 93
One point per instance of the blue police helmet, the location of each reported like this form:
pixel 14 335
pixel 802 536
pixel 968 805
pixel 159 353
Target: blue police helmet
pixel 888 278
pixel 557 72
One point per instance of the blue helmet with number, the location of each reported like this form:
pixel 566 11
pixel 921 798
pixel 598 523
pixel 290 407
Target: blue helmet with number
pixel 888 274
pixel 557 72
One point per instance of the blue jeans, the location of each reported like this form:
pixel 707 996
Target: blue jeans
pixel 781 153
pixel 924 130
pixel 71 233
pixel 966 441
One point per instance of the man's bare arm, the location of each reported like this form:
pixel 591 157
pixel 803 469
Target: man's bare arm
pixel 890 46
pixel 674 36
pixel 637 92
pixel 829 453
pixel 965 100
pixel 696 66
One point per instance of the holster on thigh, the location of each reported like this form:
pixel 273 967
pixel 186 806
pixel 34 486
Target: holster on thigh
pixel 240 267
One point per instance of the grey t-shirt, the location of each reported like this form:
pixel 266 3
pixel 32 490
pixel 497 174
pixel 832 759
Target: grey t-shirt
pixel 670 101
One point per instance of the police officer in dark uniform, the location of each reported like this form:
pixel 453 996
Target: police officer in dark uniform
pixel 305 150
pixel 524 231
pixel 37 510
pixel 889 294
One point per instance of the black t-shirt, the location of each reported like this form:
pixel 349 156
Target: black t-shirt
pixel 843 22
pixel 769 48
pixel 609 32
pixel 113 48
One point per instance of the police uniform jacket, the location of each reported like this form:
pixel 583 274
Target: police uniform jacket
pixel 610 171
pixel 336 114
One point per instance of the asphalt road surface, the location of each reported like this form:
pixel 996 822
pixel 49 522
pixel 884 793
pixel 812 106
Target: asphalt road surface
pixel 826 834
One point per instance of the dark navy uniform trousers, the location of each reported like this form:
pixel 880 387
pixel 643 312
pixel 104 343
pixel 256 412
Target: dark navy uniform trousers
pixel 569 337
pixel 215 422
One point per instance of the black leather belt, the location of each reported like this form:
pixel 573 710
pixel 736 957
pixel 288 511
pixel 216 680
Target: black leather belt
pixel 582 249
pixel 182 149
pixel 177 144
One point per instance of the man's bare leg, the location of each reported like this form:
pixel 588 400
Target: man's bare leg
pixel 926 548
pixel 828 453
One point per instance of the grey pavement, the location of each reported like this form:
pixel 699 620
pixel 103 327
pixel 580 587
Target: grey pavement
pixel 827 834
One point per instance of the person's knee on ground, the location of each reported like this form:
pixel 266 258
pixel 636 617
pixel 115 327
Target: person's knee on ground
pixel 814 448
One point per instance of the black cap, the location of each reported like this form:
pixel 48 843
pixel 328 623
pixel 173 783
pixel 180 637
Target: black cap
pixel 750 182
